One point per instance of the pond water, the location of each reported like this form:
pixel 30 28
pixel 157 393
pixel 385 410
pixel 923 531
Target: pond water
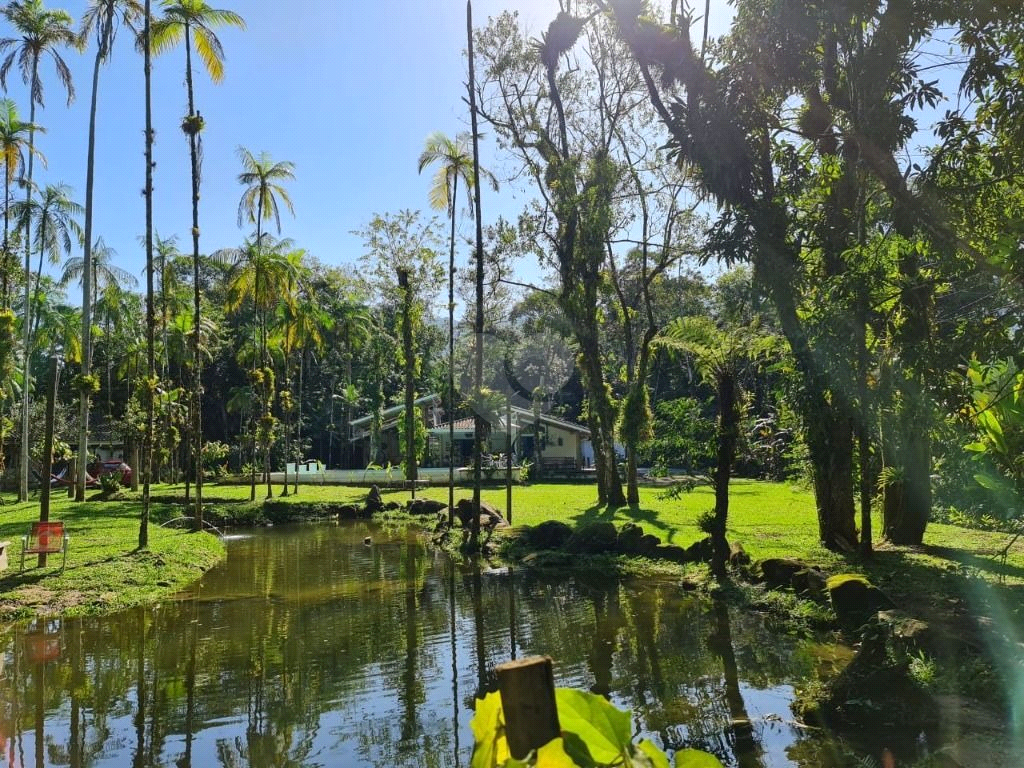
pixel 310 647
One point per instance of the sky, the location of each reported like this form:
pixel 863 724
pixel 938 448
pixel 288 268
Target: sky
pixel 346 90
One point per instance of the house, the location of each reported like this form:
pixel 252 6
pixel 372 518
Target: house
pixel 387 452
pixel 562 443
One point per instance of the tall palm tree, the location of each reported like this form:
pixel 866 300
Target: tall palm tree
pixel 192 22
pixel 101 18
pixel 54 216
pixel 42 32
pixel 146 44
pixel 14 136
pixel 454 161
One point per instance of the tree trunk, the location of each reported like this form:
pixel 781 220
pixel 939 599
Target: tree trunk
pixel 26 388
pixel 197 363
pixel 609 485
pixel 150 393
pixel 44 493
pixel 451 358
pixel 478 324
pixel 409 363
pixel 87 277
pixel 728 434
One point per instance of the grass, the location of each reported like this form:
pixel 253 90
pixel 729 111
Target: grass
pixel 105 569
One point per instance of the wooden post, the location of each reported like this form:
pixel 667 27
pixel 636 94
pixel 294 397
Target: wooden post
pixel 527 691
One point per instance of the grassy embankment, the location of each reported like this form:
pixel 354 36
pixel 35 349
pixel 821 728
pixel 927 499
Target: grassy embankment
pixel 957 569
pixel 105 569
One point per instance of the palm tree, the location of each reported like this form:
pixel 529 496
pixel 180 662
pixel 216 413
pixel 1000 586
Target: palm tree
pixel 41 31
pixel 193 22
pixel 54 216
pixel 105 274
pixel 147 50
pixel 14 135
pixel 101 18
pixel 262 179
pixel 263 274
pixel 454 161
pixel 721 356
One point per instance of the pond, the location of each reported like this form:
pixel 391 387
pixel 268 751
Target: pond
pixel 311 646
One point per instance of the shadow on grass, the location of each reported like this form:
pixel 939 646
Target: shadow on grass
pixel 633 513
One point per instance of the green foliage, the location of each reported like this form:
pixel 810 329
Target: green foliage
pixel 998 416
pixel 594 733
pixel 215 456
pixel 636 418
pixel 88 385
pixel 684 435
pixel 110 484
pixel 419 434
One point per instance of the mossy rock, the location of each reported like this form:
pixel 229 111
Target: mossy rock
pixel 811 583
pixel 633 541
pixel 854 598
pixel 593 539
pixel 778 572
pixel 551 534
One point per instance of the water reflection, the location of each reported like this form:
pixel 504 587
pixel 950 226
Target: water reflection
pixel 308 648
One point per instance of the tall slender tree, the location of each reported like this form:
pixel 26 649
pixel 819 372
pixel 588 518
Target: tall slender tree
pixel 41 32
pixel 262 178
pixel 192 22
pixel 454 161
pixel 14 142
pixel 101 19
pixel 149 393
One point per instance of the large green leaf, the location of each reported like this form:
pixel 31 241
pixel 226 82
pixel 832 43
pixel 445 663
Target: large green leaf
pixel 694 758
pixel 490 745
pixel 654 756
pixel 604 729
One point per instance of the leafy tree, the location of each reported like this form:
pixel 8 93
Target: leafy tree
pixel 101 18
pixel 43 32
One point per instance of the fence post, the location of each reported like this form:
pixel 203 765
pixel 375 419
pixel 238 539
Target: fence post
pixel 527 691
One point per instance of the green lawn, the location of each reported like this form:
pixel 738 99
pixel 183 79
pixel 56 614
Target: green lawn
pixel 105 570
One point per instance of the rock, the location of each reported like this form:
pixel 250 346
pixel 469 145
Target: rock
pixel 738 556
pixel 673 553
pixel 373 503
pixel 810 582
pixel 778 571
pixel 424 506
pixel 551 534
pixel 630 539
pixel 701 551
pixel 649 544
pixel 349 512
pixel 877 688
pixel 392 506
pixel 593 539
pixel 854 598
pixel 489 516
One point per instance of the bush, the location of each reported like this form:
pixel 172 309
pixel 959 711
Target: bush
pixel 110 484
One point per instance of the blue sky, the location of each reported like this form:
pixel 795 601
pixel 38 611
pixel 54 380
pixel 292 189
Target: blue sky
pixel 346 90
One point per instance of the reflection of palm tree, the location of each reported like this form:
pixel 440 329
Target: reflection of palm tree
pixel 745 746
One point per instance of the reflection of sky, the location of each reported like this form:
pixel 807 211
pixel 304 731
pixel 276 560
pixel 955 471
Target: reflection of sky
pixel 344 624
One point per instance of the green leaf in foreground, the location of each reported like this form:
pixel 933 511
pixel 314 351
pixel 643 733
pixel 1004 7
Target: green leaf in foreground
pixel 604 729
pixel 694 758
